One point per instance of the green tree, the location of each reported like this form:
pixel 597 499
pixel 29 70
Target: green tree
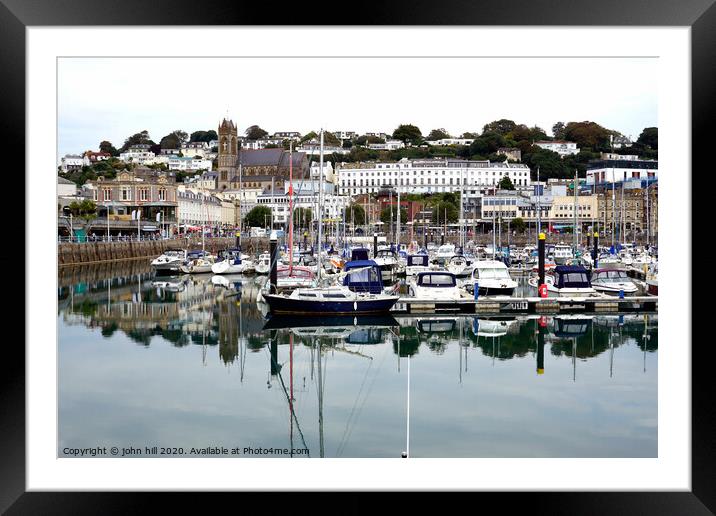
pixel 105 146
pixel 588 134
pixel 408 133
pixel 258 217
pixel 649 137
pixel 487 143
pixel 203 136
pixel 550 164
pixel 255 132
pixel 506 183
pixel 502 127
pixel 445 209
pixel 174 139
pixel 330 139
pixel 518 224
pixel 438 134
pixel 302 216
pixel 137 138
pixel 386 216
pixel 355 213
pixel 558 131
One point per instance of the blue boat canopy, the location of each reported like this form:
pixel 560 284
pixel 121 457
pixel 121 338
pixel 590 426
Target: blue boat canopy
pixel 367 280
pixel 360 253
pixel 571 276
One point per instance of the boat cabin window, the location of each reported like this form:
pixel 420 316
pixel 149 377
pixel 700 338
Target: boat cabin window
pixel 305 294
pixel 437 280
pixel 418 260
pixel 572 278
pixel 497 273
pixel 334 296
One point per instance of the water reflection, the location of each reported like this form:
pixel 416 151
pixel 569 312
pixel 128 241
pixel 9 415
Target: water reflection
pixel 293 371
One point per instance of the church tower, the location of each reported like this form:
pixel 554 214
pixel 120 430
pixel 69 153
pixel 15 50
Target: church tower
pixel 228 153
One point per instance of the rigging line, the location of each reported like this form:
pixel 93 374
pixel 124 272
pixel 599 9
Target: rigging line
pixel 353 409
pixel 370 389
pixel 283 386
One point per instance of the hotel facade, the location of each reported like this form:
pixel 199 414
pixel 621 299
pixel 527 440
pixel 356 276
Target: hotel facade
pixel 427 176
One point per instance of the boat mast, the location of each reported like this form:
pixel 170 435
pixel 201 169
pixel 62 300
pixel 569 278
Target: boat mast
pixel 290 209
pixel 320 208
pixel 397 218
pixel 462 211
pixel 539 208
pixel 576 238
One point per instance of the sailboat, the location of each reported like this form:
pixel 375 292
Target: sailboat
pixel 338 299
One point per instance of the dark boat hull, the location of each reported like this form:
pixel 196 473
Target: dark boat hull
pixel 283 322
pixel 284 305
pixel 483 291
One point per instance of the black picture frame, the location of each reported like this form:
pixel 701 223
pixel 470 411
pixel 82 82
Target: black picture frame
pixel 700 15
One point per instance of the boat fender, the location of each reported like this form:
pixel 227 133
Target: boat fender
pixel 542 290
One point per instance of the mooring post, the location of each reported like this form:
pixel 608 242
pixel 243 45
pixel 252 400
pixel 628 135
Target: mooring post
pixel 375 245
pixel 540 259
pixel 595 251
pixel 541 328
pixel 273 248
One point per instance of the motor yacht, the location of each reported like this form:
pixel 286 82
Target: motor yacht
pixel 613 281
pixel 492 277
pixel 434 286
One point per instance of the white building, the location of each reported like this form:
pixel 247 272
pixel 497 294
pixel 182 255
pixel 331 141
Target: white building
pixel 65 187
pixel 287 135
pixel 261 143
pixel 139 153
pixel 388 145
pixel 71 162
pixel 333 205
pixel 428 176
pixel 191 149
pixel 344 135
pixel 328 173
pixel 312 148
pixel 618 170
pixel 561 147
pixel 197 207
pixel 185 163
pixel 450 141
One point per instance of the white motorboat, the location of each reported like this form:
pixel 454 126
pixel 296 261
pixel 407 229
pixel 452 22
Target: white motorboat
pixel 169 262
pixel 434 286
pixel 492 278
pixel 568 280
pixel 460 266
pixel 233 262
pixel 197 262
pixel 263 265
pixel 417 263
pixel 612 281
pixel 445 252
pixel 387 260
pixel 562 254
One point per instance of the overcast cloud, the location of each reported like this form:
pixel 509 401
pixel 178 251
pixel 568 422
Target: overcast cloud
pixel 112 98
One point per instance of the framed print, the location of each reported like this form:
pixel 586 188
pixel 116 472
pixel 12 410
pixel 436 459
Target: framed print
pixel 388 249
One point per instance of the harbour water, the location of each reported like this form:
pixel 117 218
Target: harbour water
pixel 189 366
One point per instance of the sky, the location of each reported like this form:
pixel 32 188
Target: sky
pixel 113 98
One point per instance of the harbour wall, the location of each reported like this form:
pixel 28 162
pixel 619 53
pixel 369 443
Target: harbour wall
pixel 99 252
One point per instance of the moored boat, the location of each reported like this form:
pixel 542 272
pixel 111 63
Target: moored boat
pixel 434 286
pixel 492 277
